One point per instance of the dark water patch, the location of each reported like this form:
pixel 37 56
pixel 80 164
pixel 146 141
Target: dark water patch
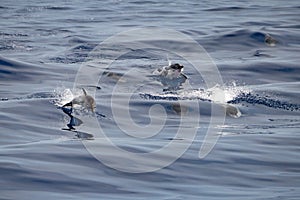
pixel 4 99
pixel 144 2
pixel 257 23
pixel 5 62
pixel 292 26
pixel 13 34
pixel 174 97
pixel 17 46
pixel 55 181
pixel 237 40
pixel 76 54
pixel 260 53
pixel 58 8
pixel 259 36
pixel 30 9
pixel 257 72
pixel 15 70
pixel 75 39
pixel 83 47
pixel 249 132
pixel 63 60
pixel 42 8
pixel 256 99
pixel 5 71
pixel 62 30
pixel 246 34
pixel 284 120
pixel 168 13
pixel 245 39
pixel 5 47
pixel 52 31
pixel 272 126
pixel 70 59
pixel 76 21
pixel 230 8
pixel 40 95
pixel 158 97
pixel 281 69
pixel 98 10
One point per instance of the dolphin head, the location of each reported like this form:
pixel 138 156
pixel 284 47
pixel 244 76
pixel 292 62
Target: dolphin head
pixel 177 67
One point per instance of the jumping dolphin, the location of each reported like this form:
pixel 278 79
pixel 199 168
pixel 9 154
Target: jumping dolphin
pixel 84 100
pixel 171 76
pixel 171 71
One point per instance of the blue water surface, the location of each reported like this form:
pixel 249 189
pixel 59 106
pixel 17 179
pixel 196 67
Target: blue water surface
pixel 44 43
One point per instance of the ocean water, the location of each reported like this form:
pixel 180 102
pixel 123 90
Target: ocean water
pixel 252 155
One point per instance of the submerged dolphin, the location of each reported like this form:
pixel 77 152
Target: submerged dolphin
pixel 232 111
pixel 85 100
pixel 270 41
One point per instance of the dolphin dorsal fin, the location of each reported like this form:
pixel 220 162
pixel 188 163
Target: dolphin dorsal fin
pixel 169 61
pixel 84 92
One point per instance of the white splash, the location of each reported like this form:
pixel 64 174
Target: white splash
pixel 65 95
pixel 218 94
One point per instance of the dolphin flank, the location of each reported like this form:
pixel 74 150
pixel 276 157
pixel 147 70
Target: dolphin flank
pixel 85 100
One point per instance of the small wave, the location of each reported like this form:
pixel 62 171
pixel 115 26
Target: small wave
pixel 38 95
pixel 84 47
pixel 77 54
pixel 70 59
pixel 12 70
